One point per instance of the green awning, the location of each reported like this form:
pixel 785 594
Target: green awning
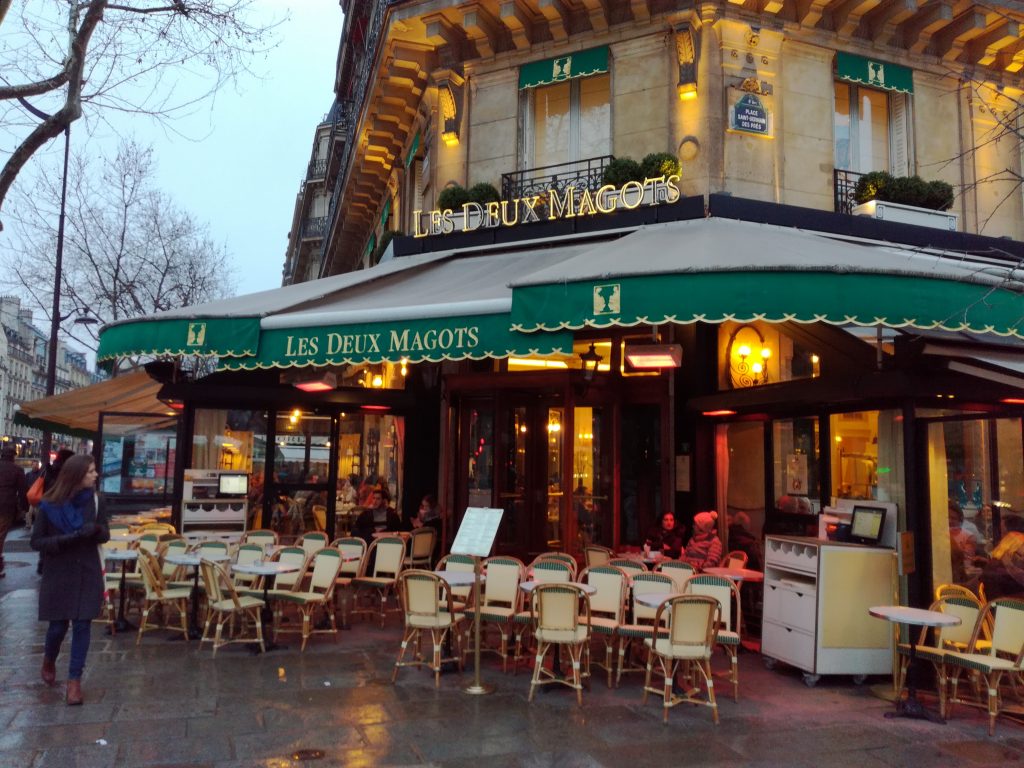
pixel 713 270
pixel 419 339
pixel 877 74
pixel 592 61
pixel 413 149
pixel 216 336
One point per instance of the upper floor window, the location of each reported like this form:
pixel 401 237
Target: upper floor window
pixel 872 116
pixel 566 109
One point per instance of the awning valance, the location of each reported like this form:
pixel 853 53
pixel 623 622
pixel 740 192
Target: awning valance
pixel 714 270
pixel 77 412
pixel 592 61
pixel 877 74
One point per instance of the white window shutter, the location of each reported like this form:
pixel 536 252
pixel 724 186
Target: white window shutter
pixel 900 134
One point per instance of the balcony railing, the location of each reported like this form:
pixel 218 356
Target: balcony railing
pixel 317 168
pixel 313 228
pixel 844 185
pixel 582 174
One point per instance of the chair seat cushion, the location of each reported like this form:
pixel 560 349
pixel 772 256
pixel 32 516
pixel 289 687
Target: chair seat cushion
pixel 665 648
pixel 980 662
pixel 726 637
pixel 602 625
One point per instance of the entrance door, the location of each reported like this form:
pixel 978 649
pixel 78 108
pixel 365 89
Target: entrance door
pixel 976 494
pixel 511 457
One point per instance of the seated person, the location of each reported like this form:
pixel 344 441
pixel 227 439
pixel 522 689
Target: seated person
pixel 666 537
pixel 377 517
pixel 742 539
pixel 428 516
pixel 704 550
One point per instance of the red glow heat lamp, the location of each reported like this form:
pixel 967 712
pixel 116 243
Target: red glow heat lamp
pixel 173 404
pixel 1013 400
pixel 323 382
pixel 723 412
pixel 379 408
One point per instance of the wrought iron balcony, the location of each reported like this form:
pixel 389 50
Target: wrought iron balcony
pixel 317 168
pixel 844 185
pixel 314 227
pixel 582 174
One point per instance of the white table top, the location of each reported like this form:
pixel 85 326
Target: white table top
pixel 125 536
pixel 189 558
pixel 132 519
pixel 528 586
pixel 120 554
pixel 459 578
pixel 736 574
pixel 654 599
pixel 651 559
pixel 901 614
pixel 265 569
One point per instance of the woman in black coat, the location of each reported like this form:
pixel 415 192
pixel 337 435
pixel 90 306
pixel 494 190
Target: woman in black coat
pixel 67 531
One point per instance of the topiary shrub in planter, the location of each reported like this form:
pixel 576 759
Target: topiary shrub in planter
pixel 453 197
pixel 660 164
pixel 483 193
pixel 905 190
pixel 382 245
pixel 622 169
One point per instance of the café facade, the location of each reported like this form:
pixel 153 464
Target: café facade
pixel 587 352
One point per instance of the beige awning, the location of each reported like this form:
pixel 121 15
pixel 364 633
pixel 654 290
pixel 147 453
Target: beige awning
pixel 77 412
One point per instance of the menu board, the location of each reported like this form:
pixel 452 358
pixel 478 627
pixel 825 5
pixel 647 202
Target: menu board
pixel 477 531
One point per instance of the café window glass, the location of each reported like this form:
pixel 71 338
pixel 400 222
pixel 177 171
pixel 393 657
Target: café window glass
pixel 753 354
pixel 139 454
pixel 795 477
pixel 567 121
pixel 871 129
pixel 866 456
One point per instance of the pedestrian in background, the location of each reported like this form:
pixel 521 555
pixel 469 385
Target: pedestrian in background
pixel 12 497
pixel 68 528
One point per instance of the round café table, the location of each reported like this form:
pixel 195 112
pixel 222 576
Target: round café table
pixel 267 569
pixel 911 707
pixel 191 560
pixel 736 574
pixel 654 599
pixel 124 556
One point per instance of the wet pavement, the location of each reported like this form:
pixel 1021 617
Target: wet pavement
pixel 167 703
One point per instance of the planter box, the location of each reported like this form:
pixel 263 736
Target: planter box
pixel 907 214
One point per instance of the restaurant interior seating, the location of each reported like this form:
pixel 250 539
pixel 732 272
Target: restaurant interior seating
pixel 320 516
pixel 427 605
pixel 1004 656
pixel 640 621
pixel 677 570
pixel 353 553
pixel 223 603
pixel 500 601
pixel 159 596
pixel 560 615
pixel 421 548
pixel 727 635
pixel 607 610
pixel 387 555
pixel 322 568
pixel 685 647
pixel 737 558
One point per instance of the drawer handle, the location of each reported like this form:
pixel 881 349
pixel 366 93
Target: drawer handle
pixel 787 629
pixel 799 594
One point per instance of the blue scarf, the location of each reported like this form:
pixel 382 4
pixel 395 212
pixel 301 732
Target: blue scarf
pixel 69 516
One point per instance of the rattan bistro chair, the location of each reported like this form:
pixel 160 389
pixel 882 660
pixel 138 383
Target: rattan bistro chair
pixel 687 644
pixel 387 555
pixel 463 596
pixel 323 568
pixel 353 553
pixel 632 633
pixel 724 590
pixel 224 603
pixel 561 616
pixel 607 609
pixel 500 601
pixel 426 601
pixel 421 548
pixel 158 594
pixel 677 570
pixel 595 554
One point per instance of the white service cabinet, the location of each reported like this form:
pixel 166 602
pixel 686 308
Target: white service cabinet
pixel 204 515
pixel 816 599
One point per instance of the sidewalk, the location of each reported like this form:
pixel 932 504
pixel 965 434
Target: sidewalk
pixel 169 704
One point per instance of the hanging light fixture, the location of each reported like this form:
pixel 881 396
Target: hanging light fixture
pixel 317 382
pixel 590 360
pixel 654 355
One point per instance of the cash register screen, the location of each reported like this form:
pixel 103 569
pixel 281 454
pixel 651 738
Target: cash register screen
pixel 233 485
pixel 866 524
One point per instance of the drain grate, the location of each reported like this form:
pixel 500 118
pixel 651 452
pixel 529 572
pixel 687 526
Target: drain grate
pixel 307 754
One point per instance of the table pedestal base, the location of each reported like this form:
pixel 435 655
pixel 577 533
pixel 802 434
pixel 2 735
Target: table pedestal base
pixel 478 690
pixel 913 709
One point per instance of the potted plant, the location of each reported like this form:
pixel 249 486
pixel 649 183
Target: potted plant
pixel 621 170
pixel 905 199
pixel 660 164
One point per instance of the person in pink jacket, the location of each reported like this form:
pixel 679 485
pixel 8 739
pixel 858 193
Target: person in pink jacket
pixel 704 550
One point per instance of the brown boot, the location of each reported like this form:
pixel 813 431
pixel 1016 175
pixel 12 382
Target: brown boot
pixel 74 692
pixel 49 672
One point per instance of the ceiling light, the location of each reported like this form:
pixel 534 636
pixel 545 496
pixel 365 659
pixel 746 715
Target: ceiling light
pixel 654 355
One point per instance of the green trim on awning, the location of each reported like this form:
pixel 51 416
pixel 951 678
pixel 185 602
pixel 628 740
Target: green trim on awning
pixel 371 244
pixel 877 74
pixel 413 149
pixel 218 336
pixel 895 301
pixel 447 338
pixel 386 213
pixel 592 61
pixel 53 426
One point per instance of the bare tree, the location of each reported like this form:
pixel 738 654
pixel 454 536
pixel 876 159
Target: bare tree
pixel 129 250
pixel 123 56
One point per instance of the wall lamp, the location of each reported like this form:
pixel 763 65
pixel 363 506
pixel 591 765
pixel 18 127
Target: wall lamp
pixel 747 356
pixel 590 360
pixel 654 355
pixel 320 382
pixel 686 56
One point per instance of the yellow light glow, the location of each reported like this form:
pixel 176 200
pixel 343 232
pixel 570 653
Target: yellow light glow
pixel 523 429
pixel 766 353
pixel 757 368
pixel 554 427
pixel 296 413
pixel 815 359
pixel 687 91
pixel 839 438
pixel 378 381
pixel 293 419
pixel 450 139
pixel 744 350
pixel 531 362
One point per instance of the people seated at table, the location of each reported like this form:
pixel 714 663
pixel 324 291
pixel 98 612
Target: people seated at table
pixel 428 515
pixel 704 550
pixel 741 538
pixel 377 517
pixel 347 495
pixel 666 537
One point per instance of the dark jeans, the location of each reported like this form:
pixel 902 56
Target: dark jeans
pixel 81 633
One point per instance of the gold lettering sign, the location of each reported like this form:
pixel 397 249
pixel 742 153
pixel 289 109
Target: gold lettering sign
pixel 567 203
pixel 391 344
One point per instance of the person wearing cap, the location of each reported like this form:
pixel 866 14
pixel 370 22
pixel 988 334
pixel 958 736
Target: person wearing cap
pixel 12 497
pixel 704 550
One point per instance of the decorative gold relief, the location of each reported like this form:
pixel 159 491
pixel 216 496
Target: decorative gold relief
pixel 686 57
